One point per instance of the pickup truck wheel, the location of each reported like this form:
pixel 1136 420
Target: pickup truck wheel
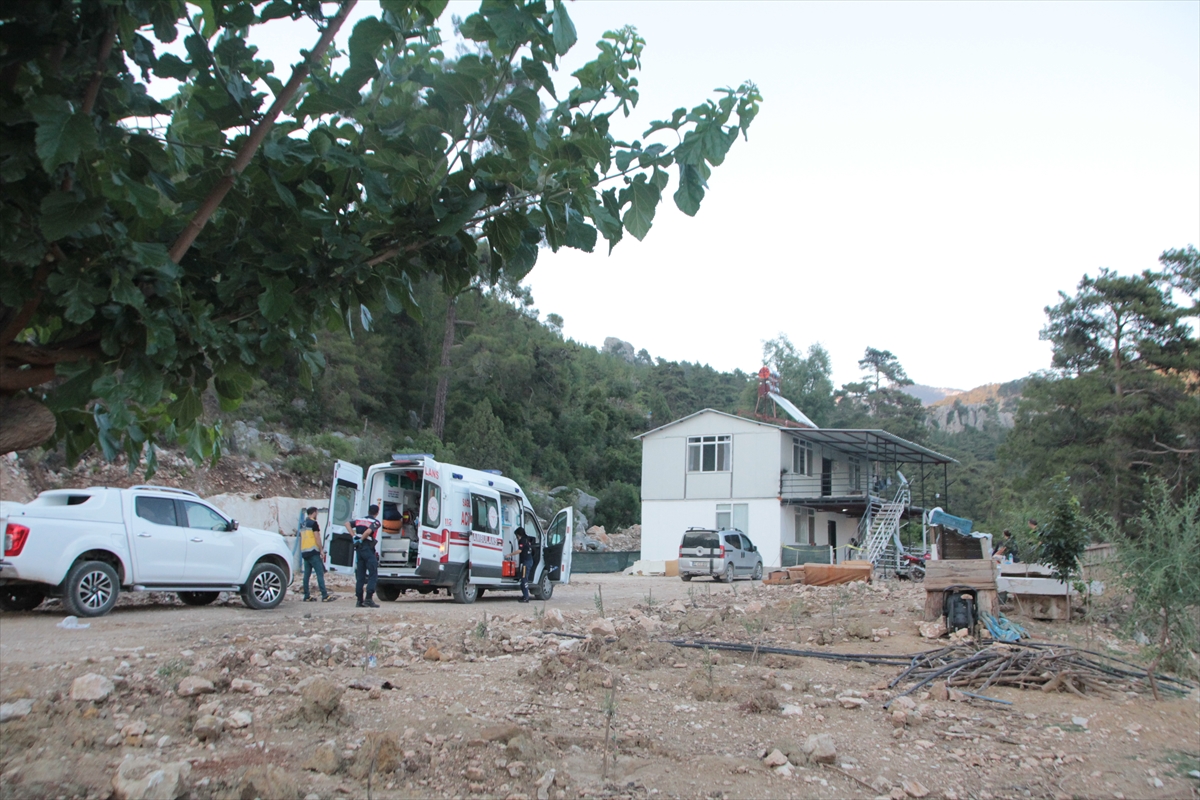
pixel 544 589
pixel 265 588
pixel 21 598
pixel 197 598
pixel 464 591
pixel 90 589
pixel 388 592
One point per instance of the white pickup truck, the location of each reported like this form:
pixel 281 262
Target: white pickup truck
pixel 88 545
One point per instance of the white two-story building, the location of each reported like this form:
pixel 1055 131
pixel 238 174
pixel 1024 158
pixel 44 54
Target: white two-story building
pixel 780 484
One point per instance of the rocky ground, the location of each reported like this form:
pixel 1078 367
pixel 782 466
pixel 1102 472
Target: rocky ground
pixel 577 697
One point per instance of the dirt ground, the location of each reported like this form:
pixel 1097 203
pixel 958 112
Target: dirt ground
pixel 491 700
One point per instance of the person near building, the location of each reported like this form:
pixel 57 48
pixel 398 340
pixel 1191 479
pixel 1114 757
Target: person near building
pixel 1007 546
pixel 312 551
pixel 366 557
pixel 525 557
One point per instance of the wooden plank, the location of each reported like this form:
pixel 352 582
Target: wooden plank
pixel 978 574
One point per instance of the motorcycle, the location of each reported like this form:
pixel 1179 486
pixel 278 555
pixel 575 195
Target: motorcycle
pixel 912 566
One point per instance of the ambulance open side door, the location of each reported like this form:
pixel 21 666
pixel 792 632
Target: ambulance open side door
pixel 347 489
pixel 557 552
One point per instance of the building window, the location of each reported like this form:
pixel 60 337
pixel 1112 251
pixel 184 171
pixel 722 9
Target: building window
pixel 802 457
pixel 735 516
pixel 855 475
pixel 710 453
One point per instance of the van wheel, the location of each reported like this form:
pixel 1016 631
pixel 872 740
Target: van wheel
pixel 464 591
pixel 685 577
pixel 424 590
pixel 388 592
pixel 90 589
pixel 729 574
pixel 544 589
pixel 757 576
pixel 197 598
pixel 265 587
pixel 21 598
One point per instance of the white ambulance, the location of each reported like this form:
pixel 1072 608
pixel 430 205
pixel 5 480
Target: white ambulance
pixel 445 526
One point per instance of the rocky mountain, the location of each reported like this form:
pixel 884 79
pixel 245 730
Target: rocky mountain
pixel 990 405
pixel 928 395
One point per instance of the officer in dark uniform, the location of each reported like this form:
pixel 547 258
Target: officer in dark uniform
pixel 525 550
pixel 366 558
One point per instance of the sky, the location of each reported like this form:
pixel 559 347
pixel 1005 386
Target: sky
pixel 922 178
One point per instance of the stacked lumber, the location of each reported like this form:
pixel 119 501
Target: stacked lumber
pixel 785 577
pixel 1031 665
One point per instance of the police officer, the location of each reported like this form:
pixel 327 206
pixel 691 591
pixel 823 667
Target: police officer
pixel 366 561
pixel 525 550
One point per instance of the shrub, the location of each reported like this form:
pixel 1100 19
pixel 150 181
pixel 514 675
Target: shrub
pixel 1160 560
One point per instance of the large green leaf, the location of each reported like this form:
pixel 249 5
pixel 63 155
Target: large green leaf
pixel 276 298
pixel 564 29
pixel 690 191
pixel 642 197
pixel 63 214
pixel 62 136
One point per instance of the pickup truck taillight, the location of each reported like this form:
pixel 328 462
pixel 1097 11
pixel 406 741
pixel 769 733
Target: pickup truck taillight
pixel 14 539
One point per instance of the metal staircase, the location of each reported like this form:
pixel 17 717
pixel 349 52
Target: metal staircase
pixel 882 523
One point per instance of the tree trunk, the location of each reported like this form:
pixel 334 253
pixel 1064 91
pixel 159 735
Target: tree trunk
pixel 24 423
pixel 443 386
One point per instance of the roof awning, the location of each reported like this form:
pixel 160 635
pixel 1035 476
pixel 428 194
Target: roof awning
pixel 874 445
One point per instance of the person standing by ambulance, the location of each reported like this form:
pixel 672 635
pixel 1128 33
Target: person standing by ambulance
pixel 313 554
pixel 525 555
pixel 366 557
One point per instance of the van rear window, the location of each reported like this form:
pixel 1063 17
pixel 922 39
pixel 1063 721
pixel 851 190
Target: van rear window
pixel 700 539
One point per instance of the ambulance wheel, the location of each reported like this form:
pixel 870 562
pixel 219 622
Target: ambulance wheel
pixel 544 589
pixel 464 591
pixel 388 592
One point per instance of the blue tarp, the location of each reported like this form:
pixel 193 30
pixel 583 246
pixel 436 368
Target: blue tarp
pixel 939 517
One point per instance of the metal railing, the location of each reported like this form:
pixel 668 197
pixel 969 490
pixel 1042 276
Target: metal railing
pixel 883 531
pixel 795 486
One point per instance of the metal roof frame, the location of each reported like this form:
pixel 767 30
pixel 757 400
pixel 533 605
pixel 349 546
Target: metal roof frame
pixel 872 444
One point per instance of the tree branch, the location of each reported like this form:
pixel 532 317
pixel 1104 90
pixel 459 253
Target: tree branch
pixel 93 89
pixel 18 323
pixel 257 135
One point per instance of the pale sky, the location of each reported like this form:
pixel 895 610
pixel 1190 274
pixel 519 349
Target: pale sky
pixel 922 178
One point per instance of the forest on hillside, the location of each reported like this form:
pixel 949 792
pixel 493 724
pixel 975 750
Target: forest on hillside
pixel 1115 411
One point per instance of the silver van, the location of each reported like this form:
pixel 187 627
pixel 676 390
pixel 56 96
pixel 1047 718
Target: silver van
pixel 723 555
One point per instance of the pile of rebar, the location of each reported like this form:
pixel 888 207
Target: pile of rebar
pixel 1030 665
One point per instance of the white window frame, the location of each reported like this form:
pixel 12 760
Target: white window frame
pixel 729 515
pixel 719 445
pixel 802 457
